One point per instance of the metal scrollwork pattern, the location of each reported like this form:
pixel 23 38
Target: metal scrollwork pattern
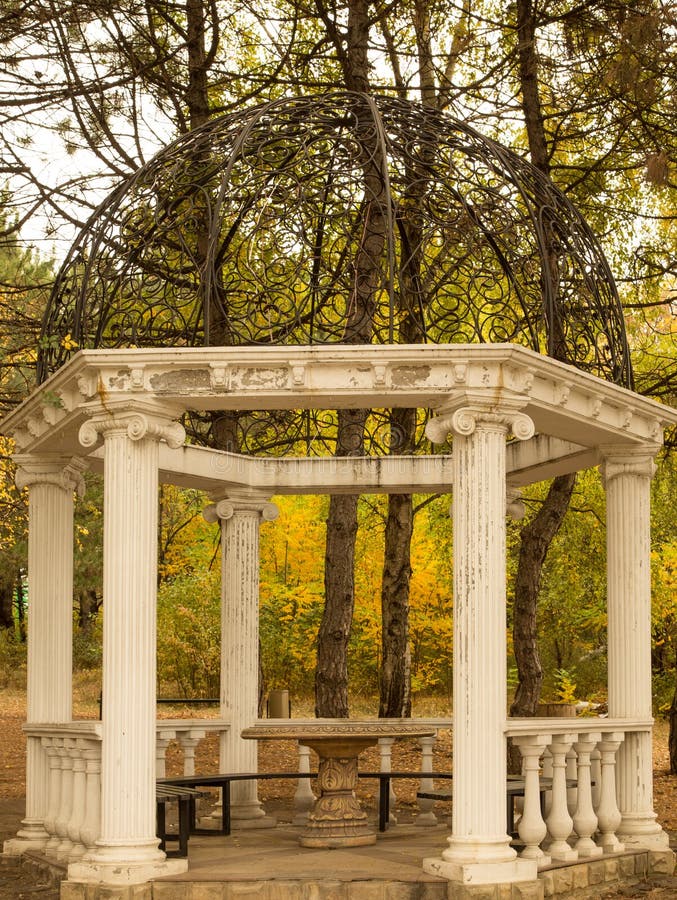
pixel 335 218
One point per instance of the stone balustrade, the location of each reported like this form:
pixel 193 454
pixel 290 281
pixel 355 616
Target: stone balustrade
pixel 73 809
pixel 73 752
pixel 188 733
pixel 570 809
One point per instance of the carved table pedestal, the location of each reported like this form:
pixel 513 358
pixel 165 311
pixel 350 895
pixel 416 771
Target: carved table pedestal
pixel 337 819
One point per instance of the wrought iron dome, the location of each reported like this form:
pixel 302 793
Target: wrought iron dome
pixel 338 218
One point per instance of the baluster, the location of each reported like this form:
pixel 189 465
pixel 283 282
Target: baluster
pixel 189 740
pixel 78 808
pixel 426 815
pixel 162 739
pixel 65 845
pixel 304 797
pixel 596 775
pixel 51 746
pixel 585 820
pixel 572 792
pixel 558 820
pixel 532 829
pixel 608 814
pixel 91 825
pixel 547 773
pixel 385 747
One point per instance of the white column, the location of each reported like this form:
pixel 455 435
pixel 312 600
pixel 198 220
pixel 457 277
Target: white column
pixel 240 518
pixel 127 850
pixel 479 848
pixel 627 480
pixel 52 482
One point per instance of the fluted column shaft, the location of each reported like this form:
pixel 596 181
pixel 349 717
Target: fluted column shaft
pixel 51 484
pixel 127 848
pixel 129 646
pixel 479 848
pixel 479 642
pixel 240 520
pixel 627 480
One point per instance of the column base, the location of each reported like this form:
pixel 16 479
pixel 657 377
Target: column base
pixel 120 872
pixel 656 839
pixel 17 846
pixel 477 873
pixel 246 810
pixel 426 820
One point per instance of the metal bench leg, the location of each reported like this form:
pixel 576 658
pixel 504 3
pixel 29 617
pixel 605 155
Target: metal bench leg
pixel 383 802
pixel 225 807
pixel 184 825
pixel 161 823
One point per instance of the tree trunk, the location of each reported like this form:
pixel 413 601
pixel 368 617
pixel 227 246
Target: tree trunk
pixel 331 674
pixel 7 605
pixel 539 533
pixel 536 539
pixel 88 605
pixel 395 675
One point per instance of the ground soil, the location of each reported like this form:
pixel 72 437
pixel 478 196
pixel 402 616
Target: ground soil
pixel 277 795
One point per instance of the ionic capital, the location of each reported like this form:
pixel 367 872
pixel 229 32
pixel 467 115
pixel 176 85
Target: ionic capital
pixel 136 424
pixel 468 419
pixel 225 509
pixel 66 474
pixel 639 463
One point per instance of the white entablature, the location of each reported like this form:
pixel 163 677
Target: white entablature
pixel 573 413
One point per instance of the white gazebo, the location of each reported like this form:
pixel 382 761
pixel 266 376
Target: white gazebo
pixel 516 417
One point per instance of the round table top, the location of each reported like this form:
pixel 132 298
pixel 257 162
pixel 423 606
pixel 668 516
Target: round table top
pixel 330 729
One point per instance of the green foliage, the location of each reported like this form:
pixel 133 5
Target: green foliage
pixel 13 658
pixel 88 645
pixel 565 686
pixel 189 635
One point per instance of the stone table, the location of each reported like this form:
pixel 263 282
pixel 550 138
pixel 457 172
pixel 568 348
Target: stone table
pixel 337 819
